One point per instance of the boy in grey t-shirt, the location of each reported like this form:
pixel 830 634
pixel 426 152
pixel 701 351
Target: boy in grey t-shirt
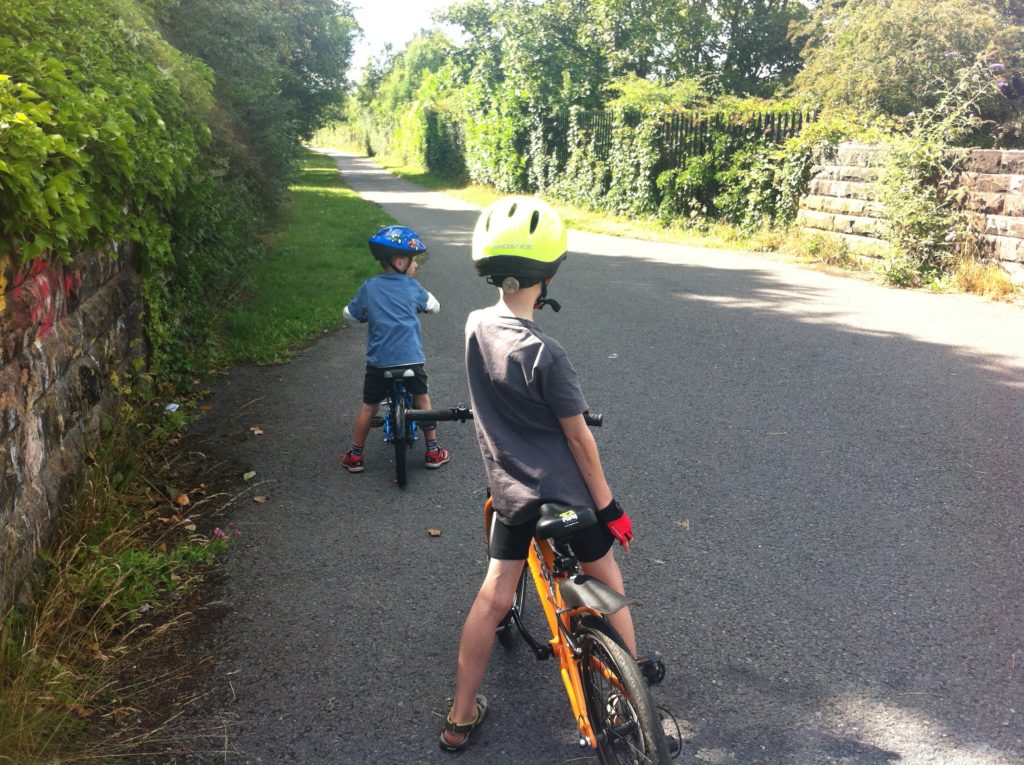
pixel 528 412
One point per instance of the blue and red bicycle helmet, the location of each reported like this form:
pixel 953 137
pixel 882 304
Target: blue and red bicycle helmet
pixel 396 241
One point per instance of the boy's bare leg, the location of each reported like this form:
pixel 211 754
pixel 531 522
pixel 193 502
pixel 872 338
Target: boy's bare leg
pixel 422 401
pixel 491 604
pixel 607 570
pixel 363 422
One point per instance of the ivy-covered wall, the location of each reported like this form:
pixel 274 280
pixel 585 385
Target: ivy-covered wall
pixel 64 328
pixel 746 168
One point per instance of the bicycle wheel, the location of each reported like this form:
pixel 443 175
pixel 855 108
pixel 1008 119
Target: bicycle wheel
pixel 509 626
pixel 398 436
pixel 619 706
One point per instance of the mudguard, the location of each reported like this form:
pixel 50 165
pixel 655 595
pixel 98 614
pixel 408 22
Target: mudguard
pixel 583 590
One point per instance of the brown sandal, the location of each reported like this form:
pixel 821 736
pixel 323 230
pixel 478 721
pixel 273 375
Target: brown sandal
pixel 462 729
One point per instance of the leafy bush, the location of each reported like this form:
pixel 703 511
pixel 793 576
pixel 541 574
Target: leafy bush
pixel 923 218
pixel 689 192
pixel 99 132
pixel 749 191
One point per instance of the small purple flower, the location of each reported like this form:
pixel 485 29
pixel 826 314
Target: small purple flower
pixel 950 237
pixel 996 67
pixel 951 53
pixel 219 534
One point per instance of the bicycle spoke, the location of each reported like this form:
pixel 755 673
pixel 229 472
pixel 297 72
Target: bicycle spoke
pixel 620 710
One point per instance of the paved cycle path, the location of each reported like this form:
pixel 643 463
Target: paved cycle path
pixel 825 477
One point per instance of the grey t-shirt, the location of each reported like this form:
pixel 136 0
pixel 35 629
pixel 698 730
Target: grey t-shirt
pixel 520 382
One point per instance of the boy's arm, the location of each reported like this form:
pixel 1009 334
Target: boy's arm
pixel 584 451
pixel 430 304
pixel 355 311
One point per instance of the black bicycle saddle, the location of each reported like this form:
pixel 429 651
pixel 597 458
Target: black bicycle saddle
pixel 558 521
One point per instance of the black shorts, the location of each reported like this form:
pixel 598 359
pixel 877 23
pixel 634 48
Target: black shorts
pixel 513 542
pixel 375 387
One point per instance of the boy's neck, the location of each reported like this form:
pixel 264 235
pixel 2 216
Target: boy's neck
pixel 520 304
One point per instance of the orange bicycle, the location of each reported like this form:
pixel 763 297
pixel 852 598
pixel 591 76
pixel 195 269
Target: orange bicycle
pixel 607 689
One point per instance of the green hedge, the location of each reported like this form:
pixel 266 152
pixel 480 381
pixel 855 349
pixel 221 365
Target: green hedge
pixel 108 133
pixel 97 133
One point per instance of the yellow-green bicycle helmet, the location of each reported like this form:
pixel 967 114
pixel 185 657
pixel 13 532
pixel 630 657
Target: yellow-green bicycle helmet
pixel 518 237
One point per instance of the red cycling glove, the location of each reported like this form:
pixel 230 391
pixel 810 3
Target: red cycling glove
pixel 618 523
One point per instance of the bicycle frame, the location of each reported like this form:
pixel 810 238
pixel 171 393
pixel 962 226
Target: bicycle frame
pixel 397 389
pixel 576 609
pixel 547 574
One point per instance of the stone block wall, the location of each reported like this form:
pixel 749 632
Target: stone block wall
pixel 63 328
pixel 994 182
pixel 842 201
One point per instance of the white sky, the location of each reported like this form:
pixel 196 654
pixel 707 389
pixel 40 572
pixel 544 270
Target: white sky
pixel 389 21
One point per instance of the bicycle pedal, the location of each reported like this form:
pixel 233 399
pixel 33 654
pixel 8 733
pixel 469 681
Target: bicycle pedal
pixel 652 668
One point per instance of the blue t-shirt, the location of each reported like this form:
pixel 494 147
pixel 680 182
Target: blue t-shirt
pixel 390 304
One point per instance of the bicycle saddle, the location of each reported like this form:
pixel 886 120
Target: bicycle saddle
pixel 391 374
pixel 558 521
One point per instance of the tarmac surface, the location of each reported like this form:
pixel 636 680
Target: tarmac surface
pixel 825 477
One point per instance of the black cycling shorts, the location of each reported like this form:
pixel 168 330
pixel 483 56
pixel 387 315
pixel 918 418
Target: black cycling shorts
pixel 513 542
pixel 375 387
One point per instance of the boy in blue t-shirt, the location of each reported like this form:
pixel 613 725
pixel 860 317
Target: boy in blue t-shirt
pixel 389 304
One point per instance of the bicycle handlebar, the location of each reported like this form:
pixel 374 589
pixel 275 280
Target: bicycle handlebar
pixel 461 413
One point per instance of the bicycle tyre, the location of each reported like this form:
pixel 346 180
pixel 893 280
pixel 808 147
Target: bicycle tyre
pixel 622 714
pixel 399 437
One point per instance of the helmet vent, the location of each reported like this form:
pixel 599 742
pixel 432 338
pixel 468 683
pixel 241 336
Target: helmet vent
pixel 534 220
pixel 512 209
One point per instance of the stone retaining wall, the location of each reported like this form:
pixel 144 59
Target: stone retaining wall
pixel 63 328
pixel 841 200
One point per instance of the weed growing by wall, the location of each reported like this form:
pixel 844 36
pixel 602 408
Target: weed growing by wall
pixel 923 218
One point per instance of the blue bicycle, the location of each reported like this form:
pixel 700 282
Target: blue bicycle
pixel 399 430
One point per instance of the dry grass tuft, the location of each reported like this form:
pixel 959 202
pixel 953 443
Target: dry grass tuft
pixel 117 582
pixel 986 278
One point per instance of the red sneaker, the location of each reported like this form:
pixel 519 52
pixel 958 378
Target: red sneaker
pixel 353 462
pixel 437 457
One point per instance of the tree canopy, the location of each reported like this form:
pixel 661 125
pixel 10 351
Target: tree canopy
pixel 899 56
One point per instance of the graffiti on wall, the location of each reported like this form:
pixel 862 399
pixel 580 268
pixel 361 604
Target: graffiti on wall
pixel 40 295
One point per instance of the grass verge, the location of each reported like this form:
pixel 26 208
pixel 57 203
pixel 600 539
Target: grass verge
pixel 133 545
pixel 316 261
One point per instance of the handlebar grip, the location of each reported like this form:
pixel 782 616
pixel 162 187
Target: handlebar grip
pixel 593 420
pixel 459 413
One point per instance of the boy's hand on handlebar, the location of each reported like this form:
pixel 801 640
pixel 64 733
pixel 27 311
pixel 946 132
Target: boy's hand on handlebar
pixel 618 523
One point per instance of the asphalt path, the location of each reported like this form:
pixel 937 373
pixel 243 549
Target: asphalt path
pixel 825 477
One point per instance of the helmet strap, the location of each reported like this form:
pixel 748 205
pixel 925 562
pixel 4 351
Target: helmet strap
pixel 544 300
pixel 391 262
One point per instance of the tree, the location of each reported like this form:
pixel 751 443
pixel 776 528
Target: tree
pixel 734 46
pixel 278 64
pixel 757 55
pixel 891 57
pixel 548 53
